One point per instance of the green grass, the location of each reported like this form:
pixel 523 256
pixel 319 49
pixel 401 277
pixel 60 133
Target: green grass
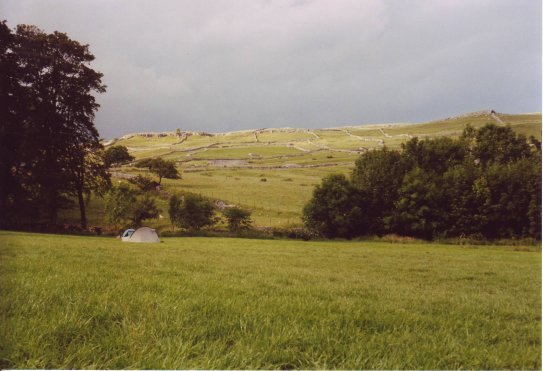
pixel 245 152
pixel 188 303
pixel 283 136
pixel 279 155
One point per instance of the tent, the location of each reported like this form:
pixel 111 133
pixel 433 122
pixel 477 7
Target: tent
pixel 127 234
pixel 143 234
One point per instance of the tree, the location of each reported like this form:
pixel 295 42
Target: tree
pixel 13 94
pixel 193 212
pixel 485 184
pixel 237 218
pixel 434 155
pixel 89 173
pixel 174 207
pixel 378 175
pixel 119 203
pixel 334 209
pixel 514 199
pixel 117 155
pixel 161 168
pixel 467 194
pixel 124 207
pixel 420 208
pixel 499 144
pixel 143 208
pixel 49 111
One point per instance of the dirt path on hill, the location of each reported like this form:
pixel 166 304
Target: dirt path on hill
pixel 397 135
pixel 380 141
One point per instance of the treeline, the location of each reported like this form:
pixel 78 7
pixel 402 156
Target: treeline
pixel 486 184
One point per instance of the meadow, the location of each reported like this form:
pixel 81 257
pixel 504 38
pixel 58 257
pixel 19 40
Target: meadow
pixel 186 303
pixel 273 172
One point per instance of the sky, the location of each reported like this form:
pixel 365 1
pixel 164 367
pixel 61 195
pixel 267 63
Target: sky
pixel 225 65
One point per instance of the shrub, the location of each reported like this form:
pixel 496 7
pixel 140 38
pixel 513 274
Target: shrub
pixel 123 207
pixel 237 218
pixel 192 212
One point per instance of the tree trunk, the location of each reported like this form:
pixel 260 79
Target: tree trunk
pixel 53 210
pixel 82 210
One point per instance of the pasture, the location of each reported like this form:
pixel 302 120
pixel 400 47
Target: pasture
pixel 272 172
pixel 90 302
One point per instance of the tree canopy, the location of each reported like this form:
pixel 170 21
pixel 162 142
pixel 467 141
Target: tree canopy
pixel 117 155
pixel 192 212
pixel 50 147
pixel 161 168
pixel 485 184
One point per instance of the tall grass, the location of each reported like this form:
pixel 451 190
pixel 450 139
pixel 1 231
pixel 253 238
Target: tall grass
pixel 88 302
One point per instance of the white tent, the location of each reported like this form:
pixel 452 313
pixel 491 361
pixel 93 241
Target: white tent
pixel 143 234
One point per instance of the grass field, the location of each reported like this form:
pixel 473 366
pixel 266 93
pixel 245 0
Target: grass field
pixel 231 166
pixel 273 142
pixel 90 302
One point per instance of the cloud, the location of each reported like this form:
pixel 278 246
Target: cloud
pixel 226 65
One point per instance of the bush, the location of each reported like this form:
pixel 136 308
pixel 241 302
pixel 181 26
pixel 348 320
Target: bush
pixel 192 212
pixel 123 207
pixel 237 218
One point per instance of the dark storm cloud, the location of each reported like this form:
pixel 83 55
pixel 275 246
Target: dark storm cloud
pixel 227 65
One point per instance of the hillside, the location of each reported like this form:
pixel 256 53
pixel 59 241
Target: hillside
pixel 292 147
pixel 273 171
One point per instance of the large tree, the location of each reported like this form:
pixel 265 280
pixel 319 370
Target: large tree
pixel 335 209
pixel 378 175
pixel 117 155
pixel 89 173
pixel 50 110
pixel 161 168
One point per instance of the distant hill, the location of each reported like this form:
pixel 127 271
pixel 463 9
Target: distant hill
pixel 265 146
pixel 272 172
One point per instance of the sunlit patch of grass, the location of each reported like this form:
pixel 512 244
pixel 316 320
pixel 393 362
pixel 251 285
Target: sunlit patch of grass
pixel 187 303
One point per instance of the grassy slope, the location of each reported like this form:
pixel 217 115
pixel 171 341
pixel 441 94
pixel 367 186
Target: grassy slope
pixel 87 302
pixel 279 201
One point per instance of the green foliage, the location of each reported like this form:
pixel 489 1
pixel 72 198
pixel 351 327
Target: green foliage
pixel 334 210
pixel 117 155
pixel 143 183
pixel 161 168
pixel 48 107
pixel 192 212
pixel 237 218
pixel 119 203
pixel 174 210
pixel 124 208
pixel 420 208
pixel 487 184
pixel 144 208
pixel 496 144
pixel 378 177
pixel 434 155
